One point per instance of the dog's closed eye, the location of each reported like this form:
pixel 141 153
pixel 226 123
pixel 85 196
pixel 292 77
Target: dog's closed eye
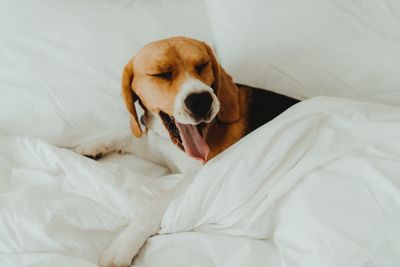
pixel 164 75
pixel 200 67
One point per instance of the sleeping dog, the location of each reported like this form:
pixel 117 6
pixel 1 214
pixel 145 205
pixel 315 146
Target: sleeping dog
pixel 191 102
pixel 179 84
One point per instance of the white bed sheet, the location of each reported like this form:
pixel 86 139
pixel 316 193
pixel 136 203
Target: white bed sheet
pixel 318 186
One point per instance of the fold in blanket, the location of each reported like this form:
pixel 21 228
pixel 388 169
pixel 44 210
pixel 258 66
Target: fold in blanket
pixel 322 181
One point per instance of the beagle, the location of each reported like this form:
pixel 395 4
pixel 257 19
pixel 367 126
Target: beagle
pixel 193 105
pixel 189 98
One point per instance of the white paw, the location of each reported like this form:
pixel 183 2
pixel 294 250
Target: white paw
pixel 121 151
pixel 103 145
pixel 94 150
pixel 121 251
pixel 128 243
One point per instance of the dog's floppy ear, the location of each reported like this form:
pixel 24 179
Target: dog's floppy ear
pixel 226 91
pixel 130 97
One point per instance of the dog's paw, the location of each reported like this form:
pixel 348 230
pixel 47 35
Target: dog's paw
pixel 121 151
pixel 93 150
pixel 103 145
pixel 121 252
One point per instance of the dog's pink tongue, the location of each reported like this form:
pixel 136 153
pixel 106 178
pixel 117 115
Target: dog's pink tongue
pixel 193 142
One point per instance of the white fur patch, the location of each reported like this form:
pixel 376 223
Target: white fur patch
pixel 181 113
pixel 127 244
pixel 154 122
pixel 104 144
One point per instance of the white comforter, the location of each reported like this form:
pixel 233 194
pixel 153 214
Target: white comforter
pixel 317 186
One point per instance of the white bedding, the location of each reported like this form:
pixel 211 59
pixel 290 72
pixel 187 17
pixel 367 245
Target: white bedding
pixel 318 186
pixel 308 48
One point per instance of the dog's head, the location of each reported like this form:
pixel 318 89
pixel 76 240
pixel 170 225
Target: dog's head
pixel 179 82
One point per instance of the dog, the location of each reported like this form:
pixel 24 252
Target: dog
pixel 193 107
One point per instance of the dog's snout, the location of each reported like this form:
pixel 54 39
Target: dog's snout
pixel 199 103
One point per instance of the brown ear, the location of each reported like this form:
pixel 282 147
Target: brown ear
pixel 130 98
pixel 226 91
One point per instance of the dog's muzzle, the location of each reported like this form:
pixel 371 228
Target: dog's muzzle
pixel 195 106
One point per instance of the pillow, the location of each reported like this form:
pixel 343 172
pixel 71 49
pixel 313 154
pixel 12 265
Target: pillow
pixel 61 61
pixel 306 48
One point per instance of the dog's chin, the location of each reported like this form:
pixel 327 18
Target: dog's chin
pixel 187 137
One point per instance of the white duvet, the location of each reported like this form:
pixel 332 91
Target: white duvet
pixel 317 186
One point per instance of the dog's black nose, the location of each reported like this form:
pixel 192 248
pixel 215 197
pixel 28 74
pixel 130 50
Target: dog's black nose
pixel 199 103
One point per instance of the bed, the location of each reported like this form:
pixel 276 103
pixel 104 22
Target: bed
pixel 317 186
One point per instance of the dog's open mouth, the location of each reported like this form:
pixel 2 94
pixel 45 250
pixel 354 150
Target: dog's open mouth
pixel 187 137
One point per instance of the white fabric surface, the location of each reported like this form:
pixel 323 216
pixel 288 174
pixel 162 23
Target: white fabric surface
pixel 59 207
pixel 321 181
pixel 307 48
pixel 61 61
pixel 318 186
pixel 203 250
